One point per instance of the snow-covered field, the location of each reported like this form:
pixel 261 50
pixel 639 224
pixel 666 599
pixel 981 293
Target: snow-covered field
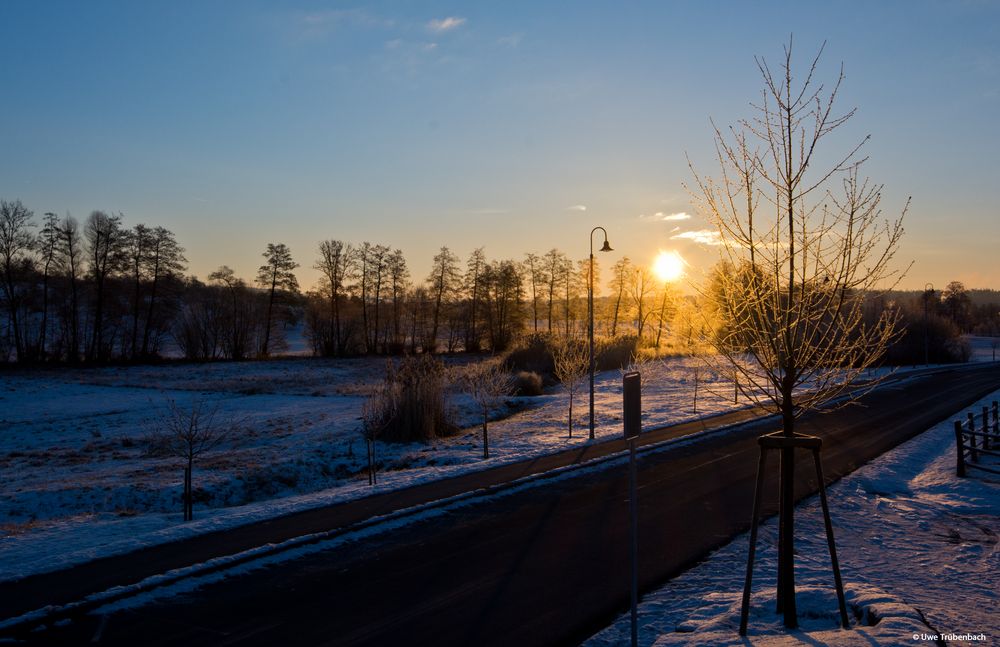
pixel 78 482
pixel 918 549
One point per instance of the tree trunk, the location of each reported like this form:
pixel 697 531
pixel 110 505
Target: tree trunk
pixel 486 440
pixel 786 525
pixel 571 413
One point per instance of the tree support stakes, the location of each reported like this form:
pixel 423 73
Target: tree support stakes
pixel 781 442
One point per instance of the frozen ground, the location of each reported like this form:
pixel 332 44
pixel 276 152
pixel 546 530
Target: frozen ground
pixel 78 483
pixel 915 543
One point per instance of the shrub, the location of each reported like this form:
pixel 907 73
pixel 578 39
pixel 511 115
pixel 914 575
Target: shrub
pixel 616 353
pixel 945 344
pixel 532 354
pixel 412 405
pixel 527 383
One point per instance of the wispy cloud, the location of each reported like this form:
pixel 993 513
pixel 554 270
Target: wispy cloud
pixel 487 211
pixel 512 40
pixel 445 24
pixel 317 25
pixel 702 236
pixel 659 216
pixel 577 207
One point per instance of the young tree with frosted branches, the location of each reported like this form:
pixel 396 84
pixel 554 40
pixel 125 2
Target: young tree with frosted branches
pixel 571 362
pixel 488 383
pixel 801 246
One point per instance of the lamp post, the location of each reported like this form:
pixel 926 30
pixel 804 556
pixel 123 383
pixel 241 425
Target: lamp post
pixel 590 312
pixel 928 287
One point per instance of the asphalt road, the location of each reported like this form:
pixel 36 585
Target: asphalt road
pixel 539 566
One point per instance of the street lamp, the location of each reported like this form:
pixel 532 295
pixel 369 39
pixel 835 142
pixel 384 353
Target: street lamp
pixel 590 310
pixel 928 287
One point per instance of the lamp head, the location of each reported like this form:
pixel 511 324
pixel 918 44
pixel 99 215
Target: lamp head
pixel 607 247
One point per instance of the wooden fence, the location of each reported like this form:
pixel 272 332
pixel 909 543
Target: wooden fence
pixel 972 445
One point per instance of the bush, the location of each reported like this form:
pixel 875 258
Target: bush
pixel 412 404
pixel 527 383
pixel 532 354
pixel 617 352
pixel 945 344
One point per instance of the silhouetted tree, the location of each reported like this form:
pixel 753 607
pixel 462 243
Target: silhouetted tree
pixel 105 241
pixel 620 273
pixel 443 282
pixel 49 258
pixel 336 265
pixel 165 264
pixel 16 243
pixel 275 275
pixel 536 276
pixel 71 258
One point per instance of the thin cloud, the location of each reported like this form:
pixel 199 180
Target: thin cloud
pixel 659 216
pixel 445 24
pixel 701 236
pixel 577 207
pixel 512 41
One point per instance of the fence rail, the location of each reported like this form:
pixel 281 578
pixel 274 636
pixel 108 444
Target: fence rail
pixel 972 444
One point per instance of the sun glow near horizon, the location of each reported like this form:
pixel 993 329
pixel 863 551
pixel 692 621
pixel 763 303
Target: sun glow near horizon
pixel 669 266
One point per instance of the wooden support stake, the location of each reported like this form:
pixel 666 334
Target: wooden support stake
pixel 959 450
pixel 986 428
pixel 974 455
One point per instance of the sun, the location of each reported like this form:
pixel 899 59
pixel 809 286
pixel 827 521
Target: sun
pixel 668 266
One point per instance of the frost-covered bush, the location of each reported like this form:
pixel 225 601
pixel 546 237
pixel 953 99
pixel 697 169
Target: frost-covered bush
pixel 414 404
pixel 527 383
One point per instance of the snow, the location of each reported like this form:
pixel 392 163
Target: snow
pixel 78 485
pixel 918 549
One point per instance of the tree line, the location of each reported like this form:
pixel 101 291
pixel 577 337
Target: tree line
pixel 104 291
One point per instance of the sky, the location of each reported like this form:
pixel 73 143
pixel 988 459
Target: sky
pixel 513 126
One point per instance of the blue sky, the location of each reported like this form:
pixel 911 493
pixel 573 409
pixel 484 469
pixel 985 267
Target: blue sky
pixel 492 124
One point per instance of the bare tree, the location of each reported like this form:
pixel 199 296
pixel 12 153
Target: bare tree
pixel 641 289
pixel 188 432
pixel 443 282
pixel 556 274
pixel 137 242
pixel 488 383
pixel 16 244
pixel 475 269
pixel 536 275
pixel 801 247
pixel 105 241
pixel 377 411
pixel 275 275
pixel 164 260
pixel 70 252
pixel 47 246
pixel 336 265
pixel 620 272
pixel 239 317
pixel 571 364
pixel 399 281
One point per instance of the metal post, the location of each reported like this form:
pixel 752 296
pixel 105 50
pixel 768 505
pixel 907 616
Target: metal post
pixel 590 318
pixel 632 423
pixel 590 330
pixel 929 287
pixel 634 544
